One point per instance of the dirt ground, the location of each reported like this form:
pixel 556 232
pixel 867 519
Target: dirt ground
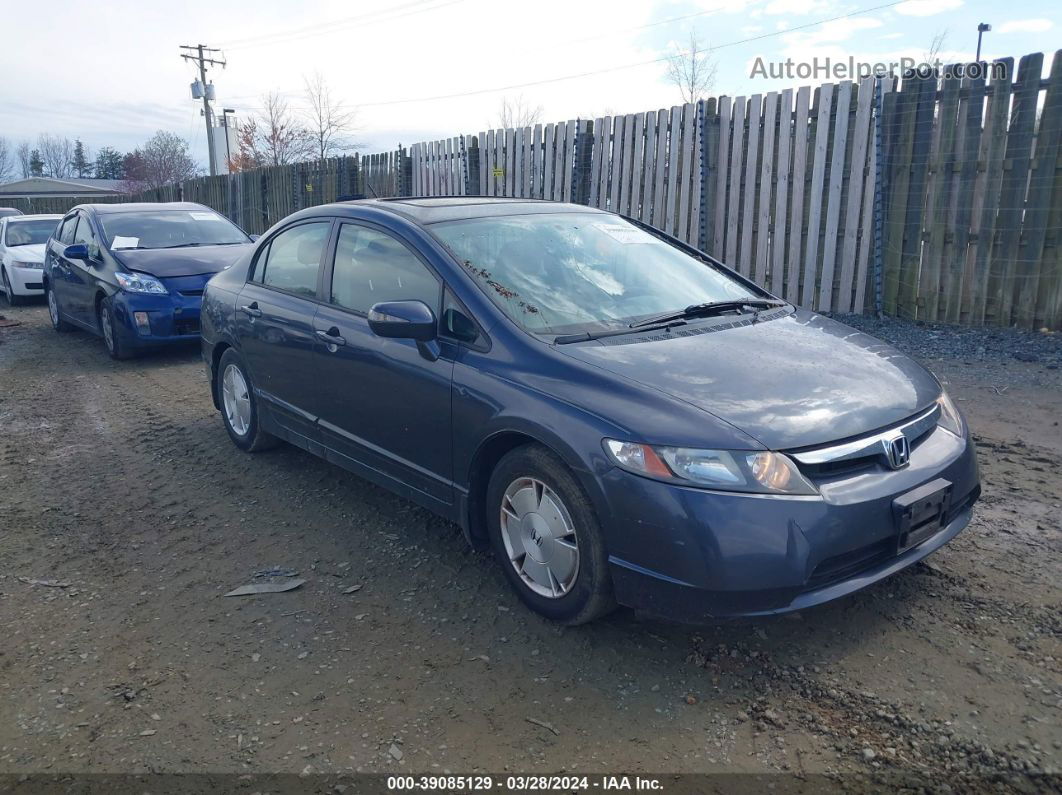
pixel 119 485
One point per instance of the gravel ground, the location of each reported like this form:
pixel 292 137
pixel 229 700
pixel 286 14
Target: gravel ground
pixel 127 514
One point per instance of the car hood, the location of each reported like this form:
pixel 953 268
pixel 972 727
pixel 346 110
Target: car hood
pixel 789 382
pixel 33 252
pixel 167 262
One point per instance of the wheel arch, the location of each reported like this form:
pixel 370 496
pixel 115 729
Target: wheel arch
pixel 486 457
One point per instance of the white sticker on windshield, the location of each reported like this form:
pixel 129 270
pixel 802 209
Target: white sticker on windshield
pixel 627 235
pixel 202 216
pixel 124 242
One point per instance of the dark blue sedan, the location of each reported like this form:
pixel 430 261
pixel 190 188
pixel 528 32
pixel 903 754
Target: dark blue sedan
pixel 622 418
pixel 135 273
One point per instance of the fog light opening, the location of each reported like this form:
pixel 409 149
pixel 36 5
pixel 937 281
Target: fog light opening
pixel 143 324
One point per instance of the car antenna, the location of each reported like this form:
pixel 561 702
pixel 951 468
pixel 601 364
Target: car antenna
pixel 368 185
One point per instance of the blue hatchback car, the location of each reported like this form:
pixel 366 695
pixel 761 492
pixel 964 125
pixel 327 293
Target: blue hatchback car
pixel 135 273
pixel 620 417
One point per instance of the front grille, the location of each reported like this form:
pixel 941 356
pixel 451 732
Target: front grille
pixel 181 327
pixel 192 293
pixel 848 564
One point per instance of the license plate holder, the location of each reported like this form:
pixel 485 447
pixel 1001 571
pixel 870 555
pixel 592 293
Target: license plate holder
pixel 921 513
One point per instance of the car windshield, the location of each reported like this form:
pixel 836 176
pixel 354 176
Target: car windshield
pixel 563 273
pixel 169 229
pixel 28 233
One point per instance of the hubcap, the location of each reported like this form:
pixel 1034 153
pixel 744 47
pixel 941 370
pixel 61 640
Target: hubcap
pixel 539 537
pixel 236 399
pixel 105 325
pixel 53 308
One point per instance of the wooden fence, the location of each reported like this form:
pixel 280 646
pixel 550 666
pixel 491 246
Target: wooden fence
pixel 938 198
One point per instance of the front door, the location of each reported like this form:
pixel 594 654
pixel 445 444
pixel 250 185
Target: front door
pixel 80 300
pixel 387 402
pixel 274 322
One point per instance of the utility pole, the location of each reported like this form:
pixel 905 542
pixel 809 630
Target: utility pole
pixel 200 54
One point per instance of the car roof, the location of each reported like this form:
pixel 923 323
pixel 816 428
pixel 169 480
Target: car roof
pixel 434 209
pixel 134 207
pixel 14 219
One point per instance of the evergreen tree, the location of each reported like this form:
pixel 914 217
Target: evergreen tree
pixel 36 164
pixel 82 166
pixel 109 164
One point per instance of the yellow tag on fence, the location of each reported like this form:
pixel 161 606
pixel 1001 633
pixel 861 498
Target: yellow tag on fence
pixel 499 172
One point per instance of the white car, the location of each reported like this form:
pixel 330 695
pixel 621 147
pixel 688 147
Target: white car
pixel 22 242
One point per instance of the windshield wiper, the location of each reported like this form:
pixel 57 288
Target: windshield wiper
pixel 182 245
pixel 583 336
pixel 708 309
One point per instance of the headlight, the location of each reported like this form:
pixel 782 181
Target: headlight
pixel 950 419
pixel 31 265
pixel 758 472
pixel 140 283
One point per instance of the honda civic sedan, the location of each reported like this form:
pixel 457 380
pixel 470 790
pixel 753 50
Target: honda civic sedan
pixel 134 273
pixel 621 418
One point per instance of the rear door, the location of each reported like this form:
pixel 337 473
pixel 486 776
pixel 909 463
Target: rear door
pixel 274 322
pixel 386 409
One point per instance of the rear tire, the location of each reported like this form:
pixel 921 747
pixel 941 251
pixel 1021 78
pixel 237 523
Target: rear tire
pixel 547 538
pixel 239 406
pixel 54 315
pixel 112 340
pixel 9 294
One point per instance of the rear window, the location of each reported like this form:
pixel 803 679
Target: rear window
pixel 29 233
pixel 169 229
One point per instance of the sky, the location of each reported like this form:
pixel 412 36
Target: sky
pixel 416 70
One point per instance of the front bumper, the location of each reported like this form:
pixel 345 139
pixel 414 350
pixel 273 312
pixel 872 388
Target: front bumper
pixel 26 281
pixel 171 318
pixel 694 555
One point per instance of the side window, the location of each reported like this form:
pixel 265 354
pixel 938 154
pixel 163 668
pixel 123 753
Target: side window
pixel 66 231
pixel 84 233
pixel 371 267
pixel 293 259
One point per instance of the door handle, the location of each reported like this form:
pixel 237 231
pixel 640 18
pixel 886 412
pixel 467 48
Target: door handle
pixel 252 310
pixel 328 338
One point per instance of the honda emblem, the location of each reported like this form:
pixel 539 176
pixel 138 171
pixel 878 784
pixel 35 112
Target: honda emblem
pixel 898 451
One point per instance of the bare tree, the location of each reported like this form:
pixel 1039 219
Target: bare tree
pixel 693 70
pixel 163 160
pixel 23 154
pixel 936 46
pixel 56 153
pixel 7 160
pixel 517 113
pixel 274 137
pixel 329 124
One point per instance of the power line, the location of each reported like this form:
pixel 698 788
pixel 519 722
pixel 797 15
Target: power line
pixel 323 28
pixel 623 67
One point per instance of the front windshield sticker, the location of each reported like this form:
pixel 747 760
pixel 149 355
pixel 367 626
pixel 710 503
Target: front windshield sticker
pixel 125 242
pixel 627 235
pixel 202 216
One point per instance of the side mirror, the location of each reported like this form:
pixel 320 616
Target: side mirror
pixel 411 320
pixel 76 251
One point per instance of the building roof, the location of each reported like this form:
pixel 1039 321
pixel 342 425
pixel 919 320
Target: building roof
pixel 68 186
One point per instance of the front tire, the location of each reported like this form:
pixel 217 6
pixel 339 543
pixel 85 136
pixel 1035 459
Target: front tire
pixel 9 294
pixel 54 314
pixel 109 331
pixel 239 407
pixel 547 538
